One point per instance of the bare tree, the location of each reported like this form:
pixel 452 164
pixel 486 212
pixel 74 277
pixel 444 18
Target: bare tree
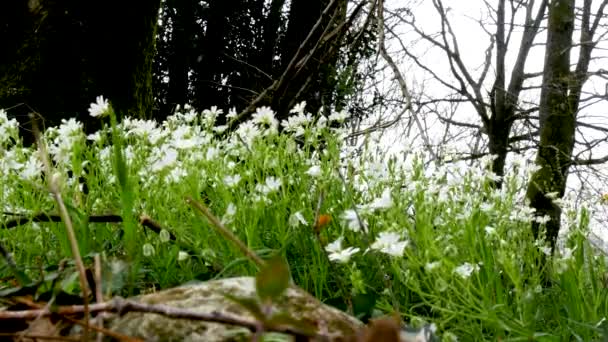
pixel 499 107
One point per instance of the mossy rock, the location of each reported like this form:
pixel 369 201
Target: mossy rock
pixel 208 297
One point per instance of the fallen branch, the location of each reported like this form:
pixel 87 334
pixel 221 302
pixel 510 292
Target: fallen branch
pixel 122 306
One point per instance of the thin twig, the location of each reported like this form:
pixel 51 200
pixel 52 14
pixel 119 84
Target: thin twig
pixel 123 306
pixel 98 293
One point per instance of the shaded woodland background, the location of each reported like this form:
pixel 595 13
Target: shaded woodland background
pixel 149 56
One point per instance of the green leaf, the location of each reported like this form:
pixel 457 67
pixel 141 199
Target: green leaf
pixel 273 279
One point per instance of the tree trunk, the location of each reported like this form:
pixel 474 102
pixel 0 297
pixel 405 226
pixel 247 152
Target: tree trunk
pixel 557 121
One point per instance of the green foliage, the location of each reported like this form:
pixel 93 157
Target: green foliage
pixel 432 243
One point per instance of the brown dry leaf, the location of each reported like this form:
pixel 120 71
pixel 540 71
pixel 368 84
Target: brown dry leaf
pixel 41 327
pixel 382 329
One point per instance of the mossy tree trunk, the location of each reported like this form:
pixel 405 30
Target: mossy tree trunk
pixel 557 121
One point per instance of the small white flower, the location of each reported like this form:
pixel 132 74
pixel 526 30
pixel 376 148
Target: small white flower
pixel 321 122
pixel 296 124
pixel 164 236
pixel 231 113
pixel 165 156
pixel 490 230
pixel 272 184
pixel 542 219
pixel 339 116
pixel 148 250
pixel 389 243
pixel 181 256
pixel 567 253
pixel 176 174
pixel 232 181
pixel 209 115
pixel 314 171
pixel 96 137
pixel 220 128
pixel 383 202
pixel 335 246
pixel 32 168
pixel 230 210
pixel 465 270
pixel 343 255
pixel 299 108
pixel 264 116
pixel 353 221
pixel 211 153
pixel 99 108
pixel 248 131
pixel 432 265
pixel 296 219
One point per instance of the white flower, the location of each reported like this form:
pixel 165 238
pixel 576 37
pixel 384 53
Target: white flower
pixel 163 157
pixel 148 250
pixel 383 202
pixel 299 108
pixel 295 124
pixel 164 236
pixel 220 128
pixel 96 137
pixel 465 270
pixel 264 116
pixel 314 171
pixel 353 220
pixel 231 113
pixel 230 210
pixel 335 246
pixel 390 243
pixel 542 219
pixel 248 131
pixel 209 115
pixel 321 122
pixel 296 219
pixel 343 255
pixel 181 256
pixel 490 230
pixel 32 168
pixel 176 174
pixel 212 152
pixel 339 116
pixel 432 265
pixel 272 184
pixel 99 108
pixel 567 253
pixel 232 181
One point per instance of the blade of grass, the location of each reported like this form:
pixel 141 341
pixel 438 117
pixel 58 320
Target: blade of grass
pixel 53 181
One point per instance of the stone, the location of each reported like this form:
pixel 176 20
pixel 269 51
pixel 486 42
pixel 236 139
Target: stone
pixel 208 297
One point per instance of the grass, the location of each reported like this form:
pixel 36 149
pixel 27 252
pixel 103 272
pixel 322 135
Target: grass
pixel 469 264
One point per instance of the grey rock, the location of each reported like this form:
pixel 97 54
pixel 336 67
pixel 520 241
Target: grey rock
pixel 208 297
